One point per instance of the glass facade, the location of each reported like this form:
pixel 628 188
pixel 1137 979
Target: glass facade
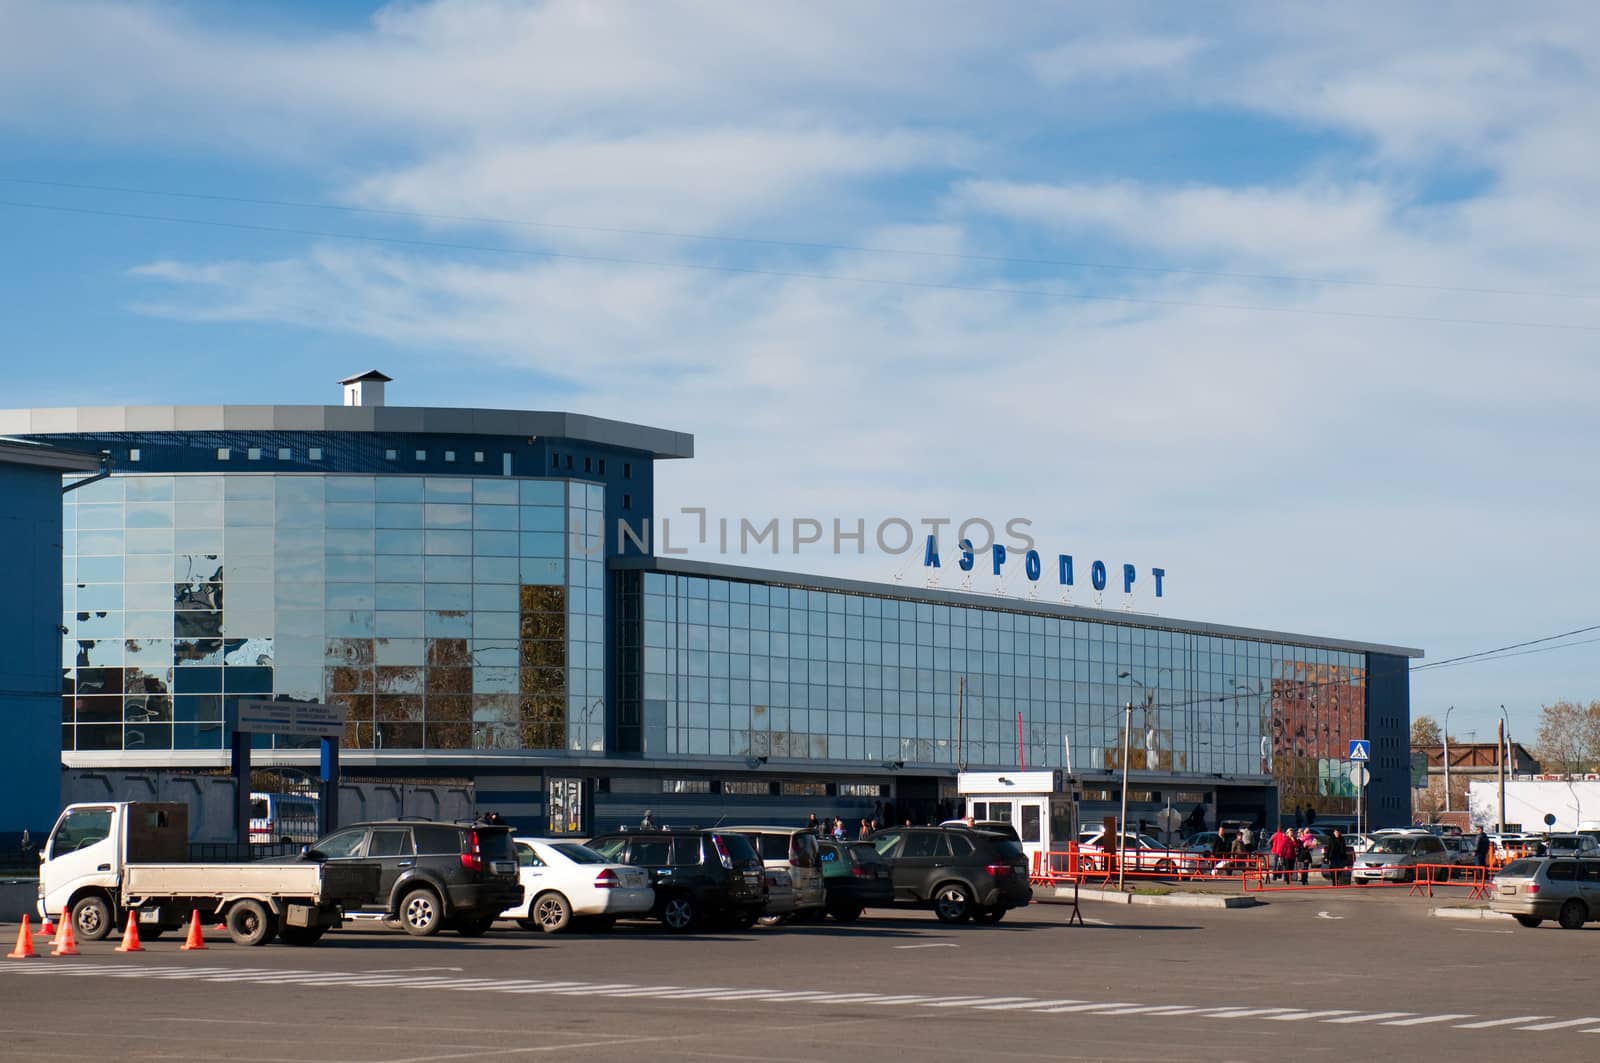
pixel 727 667
pixel 444 612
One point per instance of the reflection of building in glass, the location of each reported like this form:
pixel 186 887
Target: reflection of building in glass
pixel 456 580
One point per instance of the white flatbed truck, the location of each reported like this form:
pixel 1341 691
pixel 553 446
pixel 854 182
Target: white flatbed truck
pixel 105 860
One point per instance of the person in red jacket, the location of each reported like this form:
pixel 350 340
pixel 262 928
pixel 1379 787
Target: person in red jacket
pixel 1282 854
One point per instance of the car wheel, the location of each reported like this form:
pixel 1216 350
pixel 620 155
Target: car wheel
pixel 952 903
pixel 1164 867
pixel 92 919
pixel 989 916
pixel 300 935
pixel 846 913
pixel 1529 921
pixel 420 914
pixel 251 923
pixel 678 912
pixel 552 912
pixel 528 924
pixel 1573 915
pixel 474 927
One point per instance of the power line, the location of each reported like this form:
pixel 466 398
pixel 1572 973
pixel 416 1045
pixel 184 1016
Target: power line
pixel 791 274
pixel 1513 646
pixel 478 219
pixel 1518 653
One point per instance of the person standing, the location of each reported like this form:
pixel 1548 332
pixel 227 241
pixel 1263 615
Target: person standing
pixel 1481 853
pixel 1302 854
pixel 1282 853
pixel 838 829
pixel 1334 855
pixel 865 831
pixel 649 820
pixel 814 825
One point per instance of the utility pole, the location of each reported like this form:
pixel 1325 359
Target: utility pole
pixel 1446 737
pixel 1122 822
pixel 1500 762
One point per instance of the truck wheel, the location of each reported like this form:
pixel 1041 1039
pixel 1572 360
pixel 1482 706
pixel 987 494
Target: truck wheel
pixel 251 923
pixel 552 912
pixel 91 918
pixel 301 935
pixel 952 903
pixel 420 913
pixel 1573 915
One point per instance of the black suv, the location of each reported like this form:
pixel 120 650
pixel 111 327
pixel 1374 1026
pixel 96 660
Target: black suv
pixel 699 875
pixel 961 874
pixel 431 875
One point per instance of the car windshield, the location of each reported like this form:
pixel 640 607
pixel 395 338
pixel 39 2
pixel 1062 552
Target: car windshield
pixel 579 854
pixel 1392 845
pixel 1520 869
pixel 1564 841
pixel 1009 849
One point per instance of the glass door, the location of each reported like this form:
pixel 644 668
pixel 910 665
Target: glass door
pixel 565 806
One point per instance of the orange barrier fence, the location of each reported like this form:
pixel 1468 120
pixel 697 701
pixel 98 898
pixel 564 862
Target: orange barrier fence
pixel 1421 879
pixel 1093 865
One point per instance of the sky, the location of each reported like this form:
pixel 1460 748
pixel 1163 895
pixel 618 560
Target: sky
pixel 1299 305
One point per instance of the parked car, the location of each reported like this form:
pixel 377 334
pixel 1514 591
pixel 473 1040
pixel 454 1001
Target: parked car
pixel 1571 845
pixel 1143 852
pixel 854 877
pixel 782 900
pixel 431 875
pixel 794 850
pixel 1395 857
pixel 1539 888
pixel 993 826
pixel 700 876
pixel 961 874
pixel 283 818
pixel 563 881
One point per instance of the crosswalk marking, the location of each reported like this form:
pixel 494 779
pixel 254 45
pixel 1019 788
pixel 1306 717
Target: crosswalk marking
pixel 1302 1016
pixel 1561 1025
pixel 625 990
pixel 1500 1022
pixel 1373 1016
pixel 1426 1019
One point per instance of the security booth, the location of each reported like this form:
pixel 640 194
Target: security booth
pixel 1039 804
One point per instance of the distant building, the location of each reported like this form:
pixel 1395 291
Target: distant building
pixel 1469 762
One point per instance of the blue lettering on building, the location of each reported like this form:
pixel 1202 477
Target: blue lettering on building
pixel 1033 565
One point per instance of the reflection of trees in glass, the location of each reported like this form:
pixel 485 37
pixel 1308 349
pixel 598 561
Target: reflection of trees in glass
pixel 541 667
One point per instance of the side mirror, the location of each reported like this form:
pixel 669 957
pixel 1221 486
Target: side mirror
pixel 308 853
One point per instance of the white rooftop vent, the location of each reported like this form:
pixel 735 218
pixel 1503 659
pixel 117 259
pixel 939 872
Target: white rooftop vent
pixel 366 389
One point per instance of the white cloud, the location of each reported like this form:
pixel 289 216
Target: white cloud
pixel 1096 58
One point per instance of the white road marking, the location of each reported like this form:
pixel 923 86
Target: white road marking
pixel 1373 1016
pixel 1302 1016
pixel 1561 1025
pixel 1325 915
pixel 408 979
pixel 412 970
pixel 931 945
pixel 1032 1005
pixel 1500 1022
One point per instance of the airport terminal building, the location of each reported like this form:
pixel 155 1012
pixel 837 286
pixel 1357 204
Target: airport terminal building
pixel 454 579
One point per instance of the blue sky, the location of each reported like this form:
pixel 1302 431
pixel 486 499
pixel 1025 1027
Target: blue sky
pixel 1345 384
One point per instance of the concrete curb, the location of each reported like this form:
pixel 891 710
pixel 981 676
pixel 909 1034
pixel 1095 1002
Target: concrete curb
pixel 1172 900
pixel 1470 913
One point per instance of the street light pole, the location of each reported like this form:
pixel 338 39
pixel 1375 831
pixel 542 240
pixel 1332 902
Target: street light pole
pixel 1503 754
pixel 1122 822
pixel 1446 737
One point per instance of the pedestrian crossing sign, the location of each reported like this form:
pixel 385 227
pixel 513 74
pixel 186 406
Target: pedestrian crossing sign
pixel 1360 749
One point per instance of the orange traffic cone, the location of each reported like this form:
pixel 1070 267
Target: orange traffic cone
pixel 196 941
pixel 66 944
pixel 130 937
pixel 47 928
pixel 24 949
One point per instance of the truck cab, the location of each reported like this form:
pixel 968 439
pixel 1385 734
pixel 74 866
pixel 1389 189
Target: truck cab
pixel 81 865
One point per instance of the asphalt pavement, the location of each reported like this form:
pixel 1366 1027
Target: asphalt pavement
pixel 1313 976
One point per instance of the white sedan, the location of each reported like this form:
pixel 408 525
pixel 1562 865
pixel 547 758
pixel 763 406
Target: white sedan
pixel 563 881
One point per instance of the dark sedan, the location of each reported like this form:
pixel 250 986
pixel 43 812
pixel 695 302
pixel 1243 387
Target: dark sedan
pixel 854 877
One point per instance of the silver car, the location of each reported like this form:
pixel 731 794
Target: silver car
pixel 1539 888
pixel 1571 845
pixel 1396 857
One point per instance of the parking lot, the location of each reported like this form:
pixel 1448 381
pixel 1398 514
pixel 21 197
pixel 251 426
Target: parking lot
pixel 1315 976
